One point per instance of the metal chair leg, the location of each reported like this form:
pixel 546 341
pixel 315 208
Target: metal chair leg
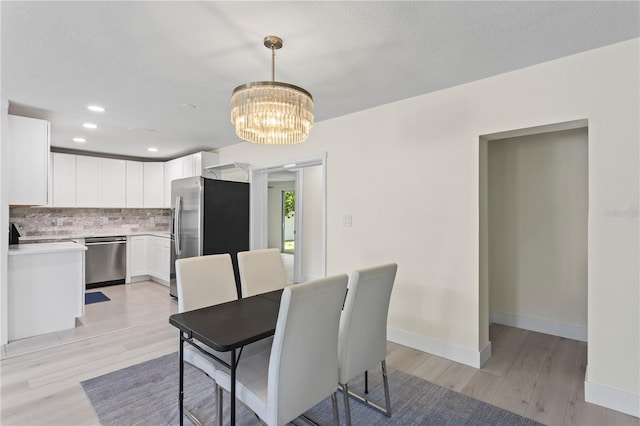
pixel 386 388
pixel 336 415
pixel 366 382
pixel 347 407
pixel 346 392
pixel 219 406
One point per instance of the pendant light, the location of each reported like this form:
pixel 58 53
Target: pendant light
pixel 271 112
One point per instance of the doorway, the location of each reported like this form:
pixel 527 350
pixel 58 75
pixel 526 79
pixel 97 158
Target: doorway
pixel 288 211
pixel 533 230
pixel 288 222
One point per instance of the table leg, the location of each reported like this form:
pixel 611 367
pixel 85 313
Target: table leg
pixel 233 387
pixel 181 392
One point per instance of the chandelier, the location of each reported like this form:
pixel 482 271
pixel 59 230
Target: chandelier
pixel 270 112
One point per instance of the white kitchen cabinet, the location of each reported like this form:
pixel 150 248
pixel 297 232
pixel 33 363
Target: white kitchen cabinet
pixel 202 160
pixel 88 180
pixel 29 160
pixel 187 166
pixel 173 170
pixel 45 288
pixel 63 179
pixel 153 185
pixel 135 184
pixel 138 255
pixel 158 258
pixel 114 175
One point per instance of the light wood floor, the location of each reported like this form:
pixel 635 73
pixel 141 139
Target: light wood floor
pixel 532 374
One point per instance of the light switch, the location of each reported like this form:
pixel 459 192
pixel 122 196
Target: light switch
pixel 346 220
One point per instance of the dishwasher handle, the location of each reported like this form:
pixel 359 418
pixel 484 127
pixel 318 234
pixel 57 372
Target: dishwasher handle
pixel 100 243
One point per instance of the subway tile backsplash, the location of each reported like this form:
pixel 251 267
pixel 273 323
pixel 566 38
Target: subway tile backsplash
pixel 74 222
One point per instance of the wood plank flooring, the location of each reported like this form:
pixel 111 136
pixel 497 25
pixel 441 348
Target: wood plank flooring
pixel 535 375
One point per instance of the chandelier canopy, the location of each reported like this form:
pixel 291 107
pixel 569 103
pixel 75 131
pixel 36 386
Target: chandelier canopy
pixel 271 112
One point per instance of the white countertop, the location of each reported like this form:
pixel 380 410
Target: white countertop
pixel 38 248
pixel 94 234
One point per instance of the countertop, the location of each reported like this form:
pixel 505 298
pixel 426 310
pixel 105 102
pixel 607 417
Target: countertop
pixel 53 238
pixel 39 248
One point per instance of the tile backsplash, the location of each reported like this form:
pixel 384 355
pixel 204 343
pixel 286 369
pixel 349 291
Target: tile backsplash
pixel 74 222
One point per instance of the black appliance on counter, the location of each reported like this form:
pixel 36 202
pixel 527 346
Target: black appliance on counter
pixel 14 235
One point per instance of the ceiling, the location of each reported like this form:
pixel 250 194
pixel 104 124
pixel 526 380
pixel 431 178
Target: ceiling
pixel 165 70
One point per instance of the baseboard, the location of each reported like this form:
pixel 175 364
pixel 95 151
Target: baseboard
pixel 438 347
pixel 542 326
pixel 611 398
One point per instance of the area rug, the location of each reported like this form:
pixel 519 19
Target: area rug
pixel 147 394
pixel 95 297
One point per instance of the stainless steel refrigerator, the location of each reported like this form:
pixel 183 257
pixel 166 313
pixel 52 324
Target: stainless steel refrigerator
pixel 209 216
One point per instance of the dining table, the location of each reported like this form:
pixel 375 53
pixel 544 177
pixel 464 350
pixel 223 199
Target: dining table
pixel 226 327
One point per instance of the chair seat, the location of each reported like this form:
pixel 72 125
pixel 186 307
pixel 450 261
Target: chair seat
pixel 251 382
pixel 209 365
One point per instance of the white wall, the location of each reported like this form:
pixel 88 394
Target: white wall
pixel 538 200
pixel 4 221
pixel 408 172
pixel 312 223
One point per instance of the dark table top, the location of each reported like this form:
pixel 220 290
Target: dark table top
pixel 233 324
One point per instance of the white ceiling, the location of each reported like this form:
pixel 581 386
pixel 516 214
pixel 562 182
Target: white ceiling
pixel 147 62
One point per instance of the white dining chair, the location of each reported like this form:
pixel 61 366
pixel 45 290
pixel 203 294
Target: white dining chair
pixel 206 281
pixel 362 342
pixel 261 271
pixel 302 368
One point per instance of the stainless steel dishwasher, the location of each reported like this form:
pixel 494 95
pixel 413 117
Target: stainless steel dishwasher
pixel 105 261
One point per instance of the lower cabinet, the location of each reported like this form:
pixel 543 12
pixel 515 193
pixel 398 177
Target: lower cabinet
pixel 149 256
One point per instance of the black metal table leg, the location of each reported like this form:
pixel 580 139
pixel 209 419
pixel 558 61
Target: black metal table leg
pixel 233 387
pixel 181 391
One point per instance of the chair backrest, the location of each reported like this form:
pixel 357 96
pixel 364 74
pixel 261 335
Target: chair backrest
pixel 261 271
pixel 363 324
pixel 303 366
pixel 205 281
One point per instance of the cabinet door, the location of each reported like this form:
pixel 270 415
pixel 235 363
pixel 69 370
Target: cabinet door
pixel 139 256
pixel 63 180
pixel 113 183
pixel 29 160
pixel 88 177
pixel 188 166
pixel 135 184
pixel 172 170
pixel 158 258
pixel 154 185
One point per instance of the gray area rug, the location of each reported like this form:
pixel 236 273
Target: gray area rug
pixel 147 394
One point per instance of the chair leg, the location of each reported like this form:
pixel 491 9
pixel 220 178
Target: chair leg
pixel 366 382
pixel 219 406
pixel 336 415
pixel 386 387
pixel 347 407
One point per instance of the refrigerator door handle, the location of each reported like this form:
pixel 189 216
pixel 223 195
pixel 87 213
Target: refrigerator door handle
pixel 176 225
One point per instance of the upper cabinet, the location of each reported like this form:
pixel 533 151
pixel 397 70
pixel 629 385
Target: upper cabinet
pixel 188 166
pixel 114 185
pixel 153 185
pixel 28 160
pixel 83 181
pixel 135 184
pixel 63 179
pixel 88 180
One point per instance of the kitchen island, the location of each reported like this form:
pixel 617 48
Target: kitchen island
pixel 45 287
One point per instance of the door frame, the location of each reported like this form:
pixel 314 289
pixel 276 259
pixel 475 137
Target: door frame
pixel 258 178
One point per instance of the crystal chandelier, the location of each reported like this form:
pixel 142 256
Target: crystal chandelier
pixel 270 112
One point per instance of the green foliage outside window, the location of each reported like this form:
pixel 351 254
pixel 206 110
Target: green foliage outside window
pixel 289 204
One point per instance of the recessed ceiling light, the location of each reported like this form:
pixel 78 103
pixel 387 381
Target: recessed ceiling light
pixel 96 108
pixel 152 149
pixel 79 140
pixel 90 126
